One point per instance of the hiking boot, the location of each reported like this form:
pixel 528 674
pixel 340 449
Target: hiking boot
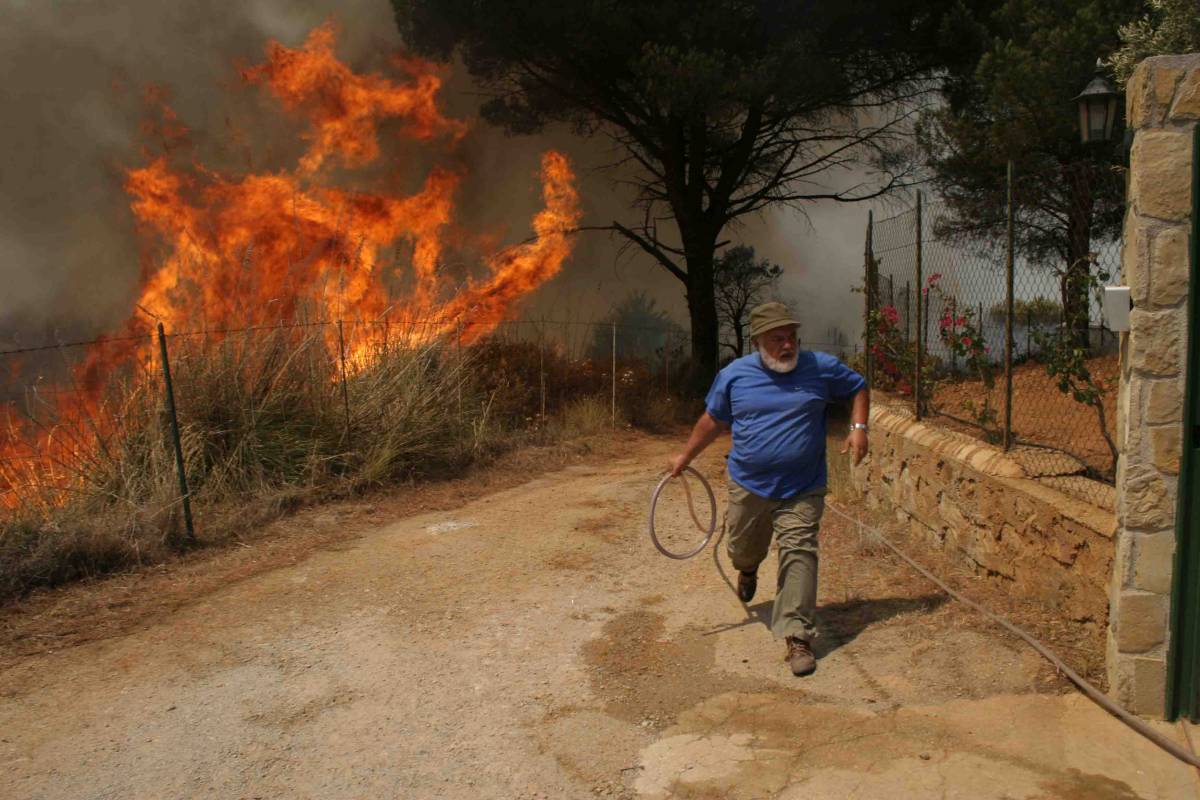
pixel 747 584
pixel 800 657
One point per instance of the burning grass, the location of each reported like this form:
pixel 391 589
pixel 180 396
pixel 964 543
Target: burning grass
pixel 265 430
pixel 267 420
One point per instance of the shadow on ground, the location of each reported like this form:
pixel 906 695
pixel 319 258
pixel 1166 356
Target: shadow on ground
pixel 841 623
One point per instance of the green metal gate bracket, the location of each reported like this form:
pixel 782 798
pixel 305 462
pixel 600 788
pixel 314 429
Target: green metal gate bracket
pixel 1183 661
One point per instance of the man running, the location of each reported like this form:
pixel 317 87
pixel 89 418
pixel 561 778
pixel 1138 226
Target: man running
pixel 774 400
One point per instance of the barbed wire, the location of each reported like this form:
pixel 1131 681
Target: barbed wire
pixel 65 345
pixel 440 321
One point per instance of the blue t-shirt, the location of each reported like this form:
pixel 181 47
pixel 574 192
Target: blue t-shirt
pixel 778 420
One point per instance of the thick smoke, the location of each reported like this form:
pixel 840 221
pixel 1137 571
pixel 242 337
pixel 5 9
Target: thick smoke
pixel 76 72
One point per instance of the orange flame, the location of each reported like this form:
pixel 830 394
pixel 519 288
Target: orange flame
pixel 343 107
pixel 520 270
pixel 236 250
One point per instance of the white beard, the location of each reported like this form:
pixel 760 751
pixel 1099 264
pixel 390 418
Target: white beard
pixel 776 364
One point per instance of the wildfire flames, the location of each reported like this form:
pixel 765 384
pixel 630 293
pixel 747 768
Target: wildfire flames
pixel 231 250
pixel 239 243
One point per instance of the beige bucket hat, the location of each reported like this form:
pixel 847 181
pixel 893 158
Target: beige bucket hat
pixel 769 315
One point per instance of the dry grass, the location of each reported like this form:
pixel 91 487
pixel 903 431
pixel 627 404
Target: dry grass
pixel 48 619
pixel 267 427
pixel 586 416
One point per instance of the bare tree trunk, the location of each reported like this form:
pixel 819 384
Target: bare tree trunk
pixel 1076 277
pixel 702 312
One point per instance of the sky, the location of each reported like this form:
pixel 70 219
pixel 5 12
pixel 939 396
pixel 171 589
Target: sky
pixel 75 72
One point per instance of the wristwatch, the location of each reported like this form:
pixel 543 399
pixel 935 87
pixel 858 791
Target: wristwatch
pixel 859 426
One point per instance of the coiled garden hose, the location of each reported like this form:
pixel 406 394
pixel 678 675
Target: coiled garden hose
pixel 687 490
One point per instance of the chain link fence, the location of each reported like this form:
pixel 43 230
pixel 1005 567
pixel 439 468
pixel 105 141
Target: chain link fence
pixel 946 292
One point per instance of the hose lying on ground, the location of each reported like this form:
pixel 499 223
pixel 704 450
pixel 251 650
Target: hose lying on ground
pixel 1091 692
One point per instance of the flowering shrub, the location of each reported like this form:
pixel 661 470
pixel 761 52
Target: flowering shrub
pixel 893 357
pixel 962 335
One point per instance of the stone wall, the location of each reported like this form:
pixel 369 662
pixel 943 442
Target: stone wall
pixel 1163 106
pixel 981 504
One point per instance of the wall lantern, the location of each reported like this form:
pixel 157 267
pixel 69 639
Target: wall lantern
pixel 1097 109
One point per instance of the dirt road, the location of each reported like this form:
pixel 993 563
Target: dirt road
pixel 531 644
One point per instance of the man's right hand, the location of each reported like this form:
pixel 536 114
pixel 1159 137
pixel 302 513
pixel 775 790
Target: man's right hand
pixel 706 429
pixel 677 464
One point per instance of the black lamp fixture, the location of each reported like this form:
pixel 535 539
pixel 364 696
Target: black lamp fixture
pixel 1097 108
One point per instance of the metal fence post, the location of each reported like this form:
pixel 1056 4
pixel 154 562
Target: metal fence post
pixel 1009 314
pixel 907 309
pixel 170 392
pixel 345 391
pixel 869 293
pixel 667 364
pixel 542 368
pixel 614 373
pixel 458 365
pixel 925 326
pixel 920 319
pixel 1028 333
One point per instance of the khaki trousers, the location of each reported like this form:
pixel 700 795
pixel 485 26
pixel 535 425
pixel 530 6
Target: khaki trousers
pixel 750 524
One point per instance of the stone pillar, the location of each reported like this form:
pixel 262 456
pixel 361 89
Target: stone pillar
pixel 1163 106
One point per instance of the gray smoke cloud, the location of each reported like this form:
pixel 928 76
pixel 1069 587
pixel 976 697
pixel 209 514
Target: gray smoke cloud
pixel 76 69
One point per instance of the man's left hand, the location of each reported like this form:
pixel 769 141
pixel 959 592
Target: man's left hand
pixel 856 443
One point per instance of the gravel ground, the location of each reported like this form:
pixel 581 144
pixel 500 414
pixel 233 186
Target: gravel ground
pixel 528 642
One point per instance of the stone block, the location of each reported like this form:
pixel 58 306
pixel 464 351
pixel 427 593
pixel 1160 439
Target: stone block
pixel 889 467
pixel 1145 503
pixel 1187 97
pixel 1161 166
pixel 1023 521
pixel 1149 91
pixel 1123 417
pixel 1169 268
pixel 1138 683
pixel 1131 435
pixel 1154 561
pixel 985 550
pixel 1166 448
pixel 1148 692
pixel 1063 550
pixel 1140 621
pixel 1122 566
pixel 1135 258
pixel 951 513
pixel 1164 401
pixel 1113 661
pixel 927 505
pixel 1155 342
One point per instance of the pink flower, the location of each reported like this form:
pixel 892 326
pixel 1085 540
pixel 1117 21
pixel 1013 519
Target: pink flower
pixel 966 340
pixel 934 278
pixel 890 314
